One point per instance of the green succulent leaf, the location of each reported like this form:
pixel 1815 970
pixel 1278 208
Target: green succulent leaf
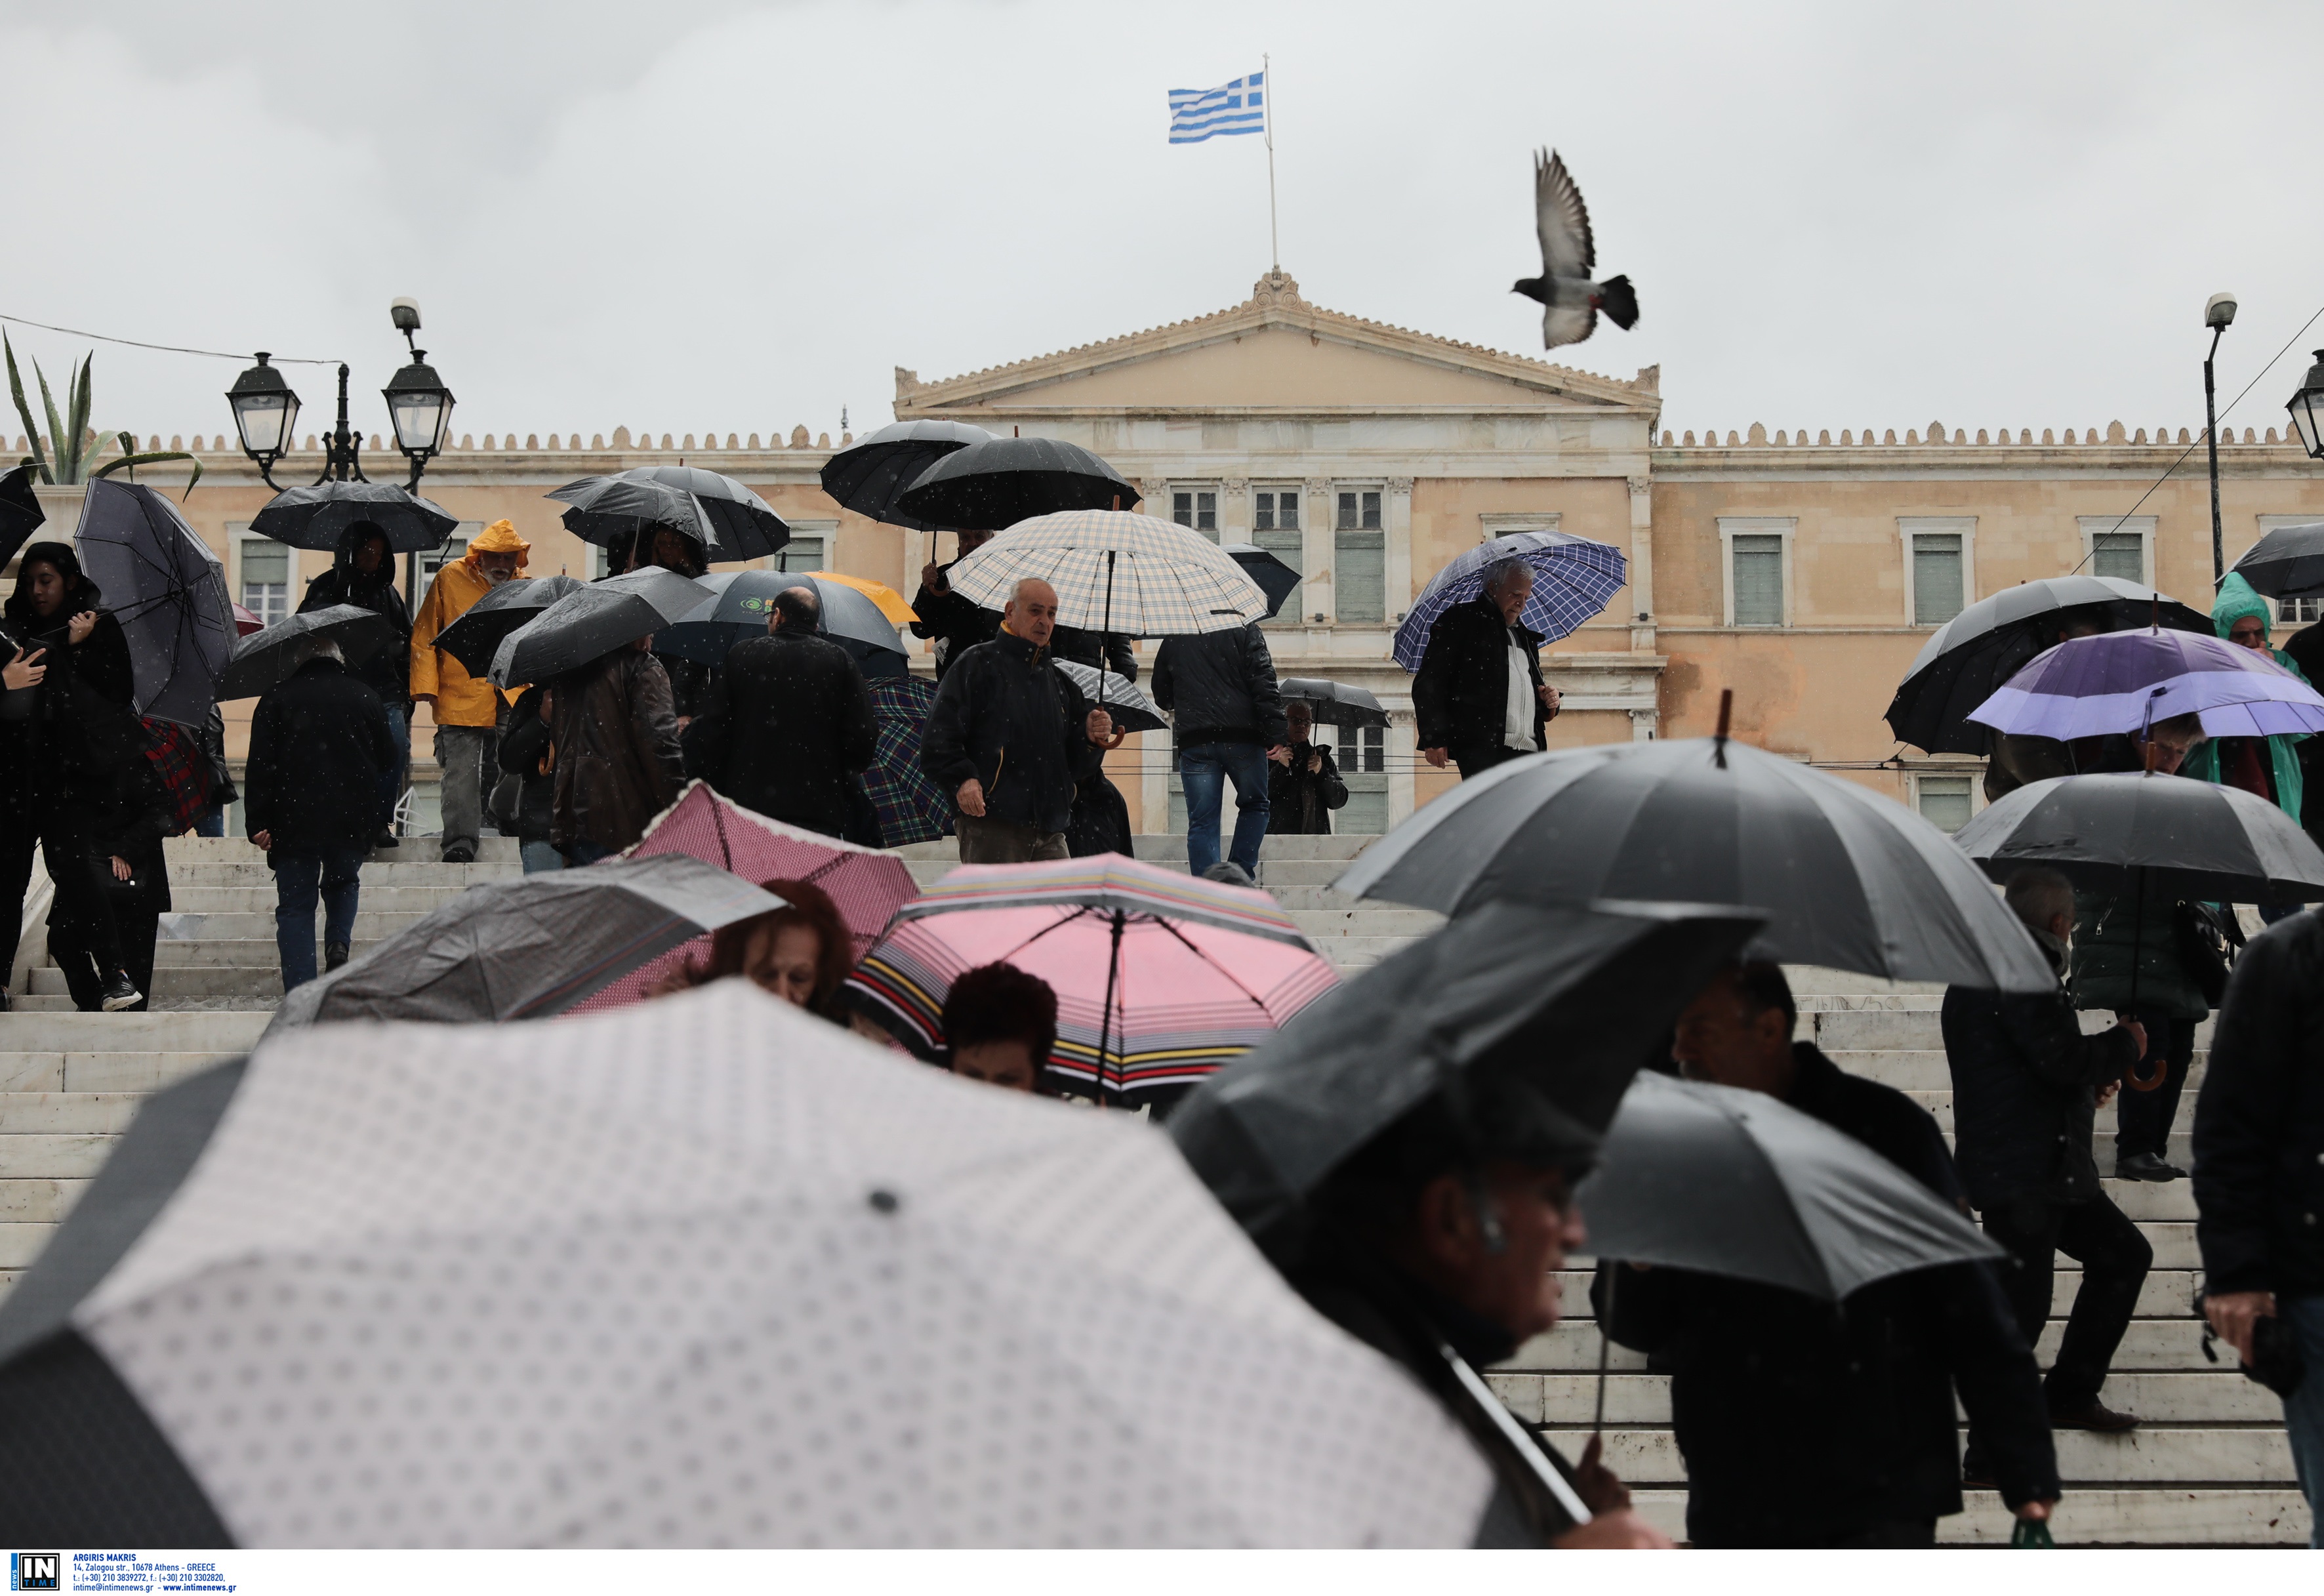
pixel 24 411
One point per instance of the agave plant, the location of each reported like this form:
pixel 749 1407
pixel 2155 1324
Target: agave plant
pixel 76 447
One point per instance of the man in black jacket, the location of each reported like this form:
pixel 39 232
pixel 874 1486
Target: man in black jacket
pixel 364 574
pixel 958 624
pixel 2259 1172
pixel 1478 695
pixel 1010 738
pixel 1806 1427
pixel 319 744
pixel 1226 717
pixel 2026 1084
pixel 786 724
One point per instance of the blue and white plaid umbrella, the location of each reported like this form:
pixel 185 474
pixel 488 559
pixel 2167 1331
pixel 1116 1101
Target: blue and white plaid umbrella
pixel 1574 579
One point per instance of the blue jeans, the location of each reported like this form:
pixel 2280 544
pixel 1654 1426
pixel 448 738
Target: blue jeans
pixel 2303 1410
pixel 1203 770
pixel 212 825
pixel 540 856
pixel 298 878
pixel 390 785
pixel 585 854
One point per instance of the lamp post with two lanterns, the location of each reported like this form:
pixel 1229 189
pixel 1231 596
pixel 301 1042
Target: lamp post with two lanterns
pixel 418 409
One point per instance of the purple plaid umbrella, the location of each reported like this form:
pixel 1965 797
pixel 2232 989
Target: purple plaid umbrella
pixel 2123 681
pixel 1574 579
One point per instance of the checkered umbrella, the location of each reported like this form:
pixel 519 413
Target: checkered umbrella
pixel 912 808
pixel 866 886
pixel 1574 579
pixel 704 1272
pixel 1117 571
pixel 1160 978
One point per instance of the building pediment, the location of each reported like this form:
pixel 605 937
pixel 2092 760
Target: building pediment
pixel 1276 354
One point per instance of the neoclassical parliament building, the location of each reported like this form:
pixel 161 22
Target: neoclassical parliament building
pixel 1803 573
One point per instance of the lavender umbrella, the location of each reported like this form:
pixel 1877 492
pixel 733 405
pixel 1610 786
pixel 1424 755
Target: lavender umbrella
pixel 1574 579
pixel 2123 681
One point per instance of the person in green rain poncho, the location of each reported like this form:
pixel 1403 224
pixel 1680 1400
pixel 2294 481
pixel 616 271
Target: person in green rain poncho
pixel 2268 766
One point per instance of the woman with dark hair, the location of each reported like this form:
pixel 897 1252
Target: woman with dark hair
pixel 59 746
pixel 363 574
pixel 800 952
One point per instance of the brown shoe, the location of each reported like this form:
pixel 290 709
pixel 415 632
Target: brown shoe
pixel 2093 1415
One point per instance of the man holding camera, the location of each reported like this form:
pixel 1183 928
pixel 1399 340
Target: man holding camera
pixel 2259 1180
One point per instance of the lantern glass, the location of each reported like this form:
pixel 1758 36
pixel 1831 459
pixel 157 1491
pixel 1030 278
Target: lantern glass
pixel 2307 409
pixel 422 417
pixel 267 421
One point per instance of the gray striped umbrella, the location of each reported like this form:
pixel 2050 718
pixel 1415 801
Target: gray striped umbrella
pixel 1118 571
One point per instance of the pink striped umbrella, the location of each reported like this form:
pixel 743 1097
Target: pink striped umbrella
pixel 1160 978
pixel 867 886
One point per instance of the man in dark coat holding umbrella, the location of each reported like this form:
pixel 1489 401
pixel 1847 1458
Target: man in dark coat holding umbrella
pixel 1010 738
pixel 363 574
pixel 1479 693
pixel 2027 1086
pixel 956 623
pixel 1302 782
pixel 786 725
pixel 320 746
pixel 1804 1425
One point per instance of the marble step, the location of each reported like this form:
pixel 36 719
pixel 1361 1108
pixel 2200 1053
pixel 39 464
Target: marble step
pixel 2148 1344
pixel 128 1033
pixel 192 850
pixel 2155 1455
pixel 2166 1294
pixel 2102 1516
pixel 254 871
pixel 1168 849
pixel 1923 1069
pixel 1570 1401
pixel 235 953
pixel 260 899
pixel 1919 1029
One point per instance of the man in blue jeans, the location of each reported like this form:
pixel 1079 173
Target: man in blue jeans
pixel 319 744
pixel 1227 717
pixel 2259 1178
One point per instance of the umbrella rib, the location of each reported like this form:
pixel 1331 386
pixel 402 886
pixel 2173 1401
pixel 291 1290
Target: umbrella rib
pixel 1249 995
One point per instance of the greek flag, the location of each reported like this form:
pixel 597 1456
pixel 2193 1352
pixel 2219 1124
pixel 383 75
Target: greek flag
pixel 1198 114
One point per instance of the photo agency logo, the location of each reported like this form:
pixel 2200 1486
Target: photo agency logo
pixel 34 1570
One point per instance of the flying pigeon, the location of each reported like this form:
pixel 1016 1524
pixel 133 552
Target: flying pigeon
pixel 1570 300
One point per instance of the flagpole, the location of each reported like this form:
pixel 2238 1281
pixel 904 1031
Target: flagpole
pixel 1267 123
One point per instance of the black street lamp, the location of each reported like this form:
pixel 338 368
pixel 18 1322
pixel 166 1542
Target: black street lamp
pixel 2218 315
pixel 2306 408
pixel 266 415
pixel 419 405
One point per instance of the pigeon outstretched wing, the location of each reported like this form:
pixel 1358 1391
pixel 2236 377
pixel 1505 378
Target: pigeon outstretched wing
pixel 1567 324
pixel 1562 221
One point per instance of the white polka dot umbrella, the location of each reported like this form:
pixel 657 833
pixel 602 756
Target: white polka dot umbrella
pixel 706 1271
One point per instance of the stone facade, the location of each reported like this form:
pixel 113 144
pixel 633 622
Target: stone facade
pixel 1782 569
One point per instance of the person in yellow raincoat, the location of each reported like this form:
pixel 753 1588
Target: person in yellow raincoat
pixel 467 708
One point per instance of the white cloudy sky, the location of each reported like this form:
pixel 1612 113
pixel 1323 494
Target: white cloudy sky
pixel 741 214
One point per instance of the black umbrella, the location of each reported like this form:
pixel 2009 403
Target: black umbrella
pixel 2197 840
pixel 2287 563
pixel 585 626
pixel 1849 879
pixel 872 473
pixel 1275 579
pixel 476 635
pixel 530 947
pixel 21 514
pixel 160 584
pixel 1973 654
pixel 1333 703
pixel 1697 1176
pixel 1572 998
pixel 318 517
pixel 1132 711
pixel 998 483
pixel 266 658
pixel 736 612
pixel 726 518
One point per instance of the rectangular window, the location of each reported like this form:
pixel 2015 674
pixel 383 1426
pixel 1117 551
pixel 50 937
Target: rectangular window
pixel 265 579
pixel 1758 578
pixel 434 560
pixel 1943 802
pixel 2121 555
pixel 1936 577
pixel 1359 510
pixel 1274 509
pixel 801 554
pixel 2300 612
pixel 1197 508
pixel 1362 750
pixel 1275 527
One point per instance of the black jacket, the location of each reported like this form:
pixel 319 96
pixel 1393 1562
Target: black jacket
pixel 1220 687
pixel 1299 802
pixel 786 725
pixel 525 748
pixel 2259 1122
pixel 2026 1083
pixel 958 624
pixel 1099 650
pixel 387 672
pixel 1005 718
pixel 72 721
pixel 125 814
pixel 319 748
pixel 1460 694
pixel 1804 1424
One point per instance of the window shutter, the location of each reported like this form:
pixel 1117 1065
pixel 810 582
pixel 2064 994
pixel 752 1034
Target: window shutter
pixel 1936 577
pixel 1360 580
pixel 1758 578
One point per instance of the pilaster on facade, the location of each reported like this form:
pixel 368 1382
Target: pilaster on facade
pixel 1642 565
pixel 1316 548
pixel 1397 519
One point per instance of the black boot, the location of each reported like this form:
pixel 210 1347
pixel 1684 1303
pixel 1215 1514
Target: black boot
pixel 119 993
pixel 335 954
